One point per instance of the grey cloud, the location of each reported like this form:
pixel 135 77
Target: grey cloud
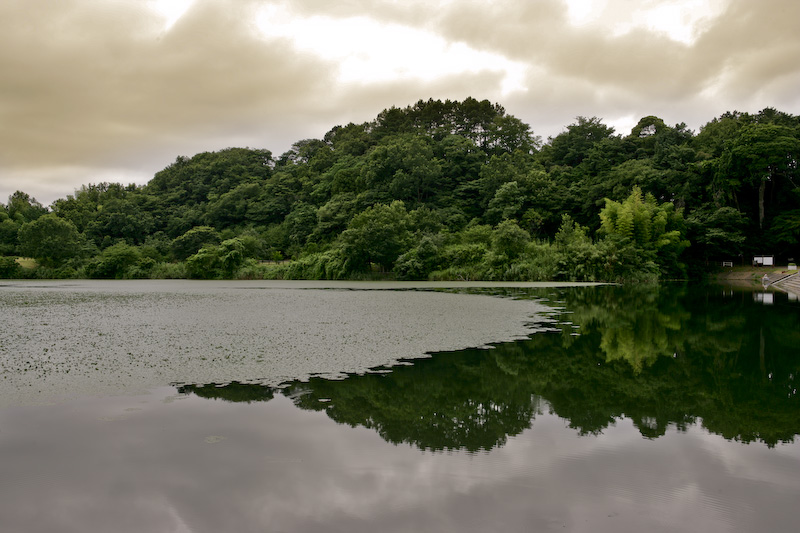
pixel 538 33
pixel 747 58
pixel 86 84
pixel 91 92
pixel 753 45
pixel 98 86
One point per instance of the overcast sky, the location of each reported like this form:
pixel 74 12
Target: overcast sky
pixel 115 90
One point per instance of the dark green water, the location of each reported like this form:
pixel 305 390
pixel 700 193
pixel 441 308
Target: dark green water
pixel 648 409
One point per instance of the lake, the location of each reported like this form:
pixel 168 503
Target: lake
pixel 187 406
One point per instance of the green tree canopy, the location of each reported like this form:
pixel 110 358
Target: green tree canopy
pixel 114 261
pixel 23 208
pixel 8 233
pixel 217 261
pixel 571 147
pixel 761 155
pixel 50 240
pixel 190 242
pixel 377 235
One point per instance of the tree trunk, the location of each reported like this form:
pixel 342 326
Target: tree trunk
pixel 761 188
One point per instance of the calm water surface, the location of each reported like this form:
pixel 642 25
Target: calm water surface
pixel 244 407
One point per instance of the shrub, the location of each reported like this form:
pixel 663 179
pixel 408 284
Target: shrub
pixel 168 271
pixel 114 262
pixel 9 268
pixel 213 262
pixel 419 262
pixel 193 240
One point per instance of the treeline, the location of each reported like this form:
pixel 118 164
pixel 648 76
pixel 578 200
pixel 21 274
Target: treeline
pixel 437 190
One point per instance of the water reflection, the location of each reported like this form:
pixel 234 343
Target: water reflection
pixel 662 357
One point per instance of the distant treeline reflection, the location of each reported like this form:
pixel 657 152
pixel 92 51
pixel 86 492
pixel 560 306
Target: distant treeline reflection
pixel 660 356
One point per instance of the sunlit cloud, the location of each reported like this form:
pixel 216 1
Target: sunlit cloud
pixel 622 125
pixel 682 21
pixel 582 12
pixel 369 52
pixel 170 10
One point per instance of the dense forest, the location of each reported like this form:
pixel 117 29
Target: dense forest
pixel 437 190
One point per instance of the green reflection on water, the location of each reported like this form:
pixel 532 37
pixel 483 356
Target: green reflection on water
pixel 666 356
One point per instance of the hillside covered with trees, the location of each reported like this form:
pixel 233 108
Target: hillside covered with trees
pixel 437 190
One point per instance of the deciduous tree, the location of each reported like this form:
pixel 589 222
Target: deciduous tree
pixel 50 240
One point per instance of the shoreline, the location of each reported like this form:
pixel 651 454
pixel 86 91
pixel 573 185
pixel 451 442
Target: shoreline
pixel 750 273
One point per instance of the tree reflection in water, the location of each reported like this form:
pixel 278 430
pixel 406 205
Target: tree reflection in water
pixel 662 356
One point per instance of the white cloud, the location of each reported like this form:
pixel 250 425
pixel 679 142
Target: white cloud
pixel 623 125
pixel 370 52
pixel 170 10
pixel 582 12
pixel 680 20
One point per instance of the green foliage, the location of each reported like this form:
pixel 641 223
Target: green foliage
pixel 719 234
pixel 108 212
pixel 507 253
pixel 9 268
pixel 217 261
pixel 8 234
pixel 209 174
pixel 578 257
pixel 156 246
pixel 23 208
pixel 761 156
pixel 463 172
pixel 119 219
pixel 507 203
pixel 193 240
pixel 657 230
pixel 484 124
pixel 500 170
pixel 573 146
pixel 50 240
pixel 509 240
pixel 205 264
pixel 420 261
pixel 333 217
pixel 350 140
pixel 117 262
pixel 377 235
pixel 464 254
pixel 236 206
pixel 254 246
pixel 169 271
pixel 786 227
pixel 326 265
pixel 539 262
pixel 299 224
pixel 403 167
